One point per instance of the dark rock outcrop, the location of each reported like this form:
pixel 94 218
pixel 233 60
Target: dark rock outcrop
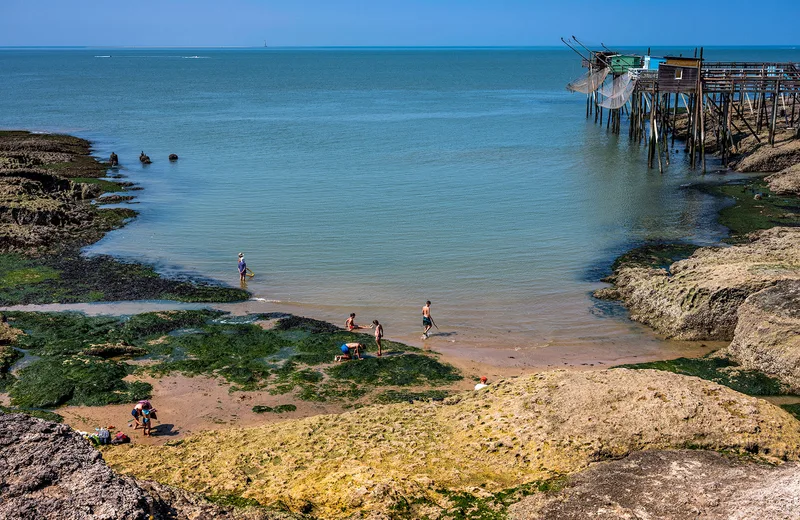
pixel 671 485
pixel 48 471
pixel 173 157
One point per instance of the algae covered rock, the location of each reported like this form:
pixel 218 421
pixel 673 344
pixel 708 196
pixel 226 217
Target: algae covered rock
pixel 49 471
pixel 414 457
pixel 767 336
pixel 698 297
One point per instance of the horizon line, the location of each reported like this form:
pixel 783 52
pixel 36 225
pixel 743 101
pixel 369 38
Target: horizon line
pixel 276 47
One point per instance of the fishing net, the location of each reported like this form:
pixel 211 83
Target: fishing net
pixel 589 82
pixel 618 92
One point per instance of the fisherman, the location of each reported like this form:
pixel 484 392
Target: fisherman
pixel 242 268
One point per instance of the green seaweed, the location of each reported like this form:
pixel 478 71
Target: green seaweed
pixel 747 213
pixel 655 255
pixel 721 370
pixel 8 356
pixel 404 396
pixel 72 278
pixel 39 414
pixel 78 380
pixel 281 408
pixel 236 501
pixel 402 370
pixel 793 409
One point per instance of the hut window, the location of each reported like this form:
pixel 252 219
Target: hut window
pixel 678 73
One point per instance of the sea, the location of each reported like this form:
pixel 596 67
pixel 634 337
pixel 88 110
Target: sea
pixel 370 180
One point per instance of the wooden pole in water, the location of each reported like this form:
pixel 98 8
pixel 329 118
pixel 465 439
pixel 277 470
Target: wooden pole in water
pixel 774 121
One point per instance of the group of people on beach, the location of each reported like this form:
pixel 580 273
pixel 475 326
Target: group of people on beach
pixel 353 350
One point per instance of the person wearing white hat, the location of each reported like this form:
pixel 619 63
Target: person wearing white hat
pixel 242 268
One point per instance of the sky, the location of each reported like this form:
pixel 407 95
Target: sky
pixel 314 23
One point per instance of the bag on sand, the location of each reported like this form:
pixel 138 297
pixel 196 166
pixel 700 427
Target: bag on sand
pixel 121 438
pixel 104 436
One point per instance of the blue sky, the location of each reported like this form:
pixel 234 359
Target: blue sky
pixel 394 23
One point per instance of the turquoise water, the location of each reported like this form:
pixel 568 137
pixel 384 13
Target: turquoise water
pixel 371 180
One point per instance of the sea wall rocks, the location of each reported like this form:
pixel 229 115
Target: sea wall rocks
pixel 48 471
pixel 412 457
pixel 671 484
pixel 698 297
pixel 767 336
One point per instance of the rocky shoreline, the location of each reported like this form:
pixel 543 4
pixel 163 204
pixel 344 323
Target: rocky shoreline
pixel 550 445
pixel 52 197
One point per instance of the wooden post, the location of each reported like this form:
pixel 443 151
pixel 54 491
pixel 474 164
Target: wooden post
pixel 774 121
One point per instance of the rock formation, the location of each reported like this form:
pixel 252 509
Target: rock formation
pixel 48 471
pixel 671 484
pixel 766 158
pixel 767 336
pixel 698 297
pixel 374 460
pixel 786 181
pixel 173 157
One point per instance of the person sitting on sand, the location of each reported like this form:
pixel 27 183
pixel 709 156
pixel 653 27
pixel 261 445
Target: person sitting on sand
pixel 378 334
pixel 350 324
pixel 349 351
pixel 242 268
pixel 482 384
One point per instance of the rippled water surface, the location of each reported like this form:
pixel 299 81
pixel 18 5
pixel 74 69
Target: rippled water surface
pixel 371 180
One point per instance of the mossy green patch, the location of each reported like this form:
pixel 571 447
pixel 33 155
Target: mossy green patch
pixel 403 370
pixel 281 408
pixel 656 255
pixel 82 358
pixel 8 356
pixel 721 370
pixel 404 396
pixel 107 186
pixel 793 409
pixel 750 213
pixel 39 414
pixel 72 278
pixel 78 380
pixel 233 501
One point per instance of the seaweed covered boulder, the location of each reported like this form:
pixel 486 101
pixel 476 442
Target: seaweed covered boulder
pixel 49 471
pixel 414 458
pixel 698 298
pixel 767 336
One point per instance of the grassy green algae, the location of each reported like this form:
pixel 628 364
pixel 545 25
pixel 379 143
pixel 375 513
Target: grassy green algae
pixel 87 360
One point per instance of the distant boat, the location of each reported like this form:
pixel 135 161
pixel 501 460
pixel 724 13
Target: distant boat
pixel 265 44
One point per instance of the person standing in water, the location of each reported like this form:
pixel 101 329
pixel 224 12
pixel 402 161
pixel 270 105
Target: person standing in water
pixel 242 268
pixel 427 321
pixel 378 334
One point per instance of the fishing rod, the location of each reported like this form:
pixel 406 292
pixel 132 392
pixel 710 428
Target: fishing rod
pixel 591 52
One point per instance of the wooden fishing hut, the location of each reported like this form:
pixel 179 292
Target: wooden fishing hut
pixel 678 75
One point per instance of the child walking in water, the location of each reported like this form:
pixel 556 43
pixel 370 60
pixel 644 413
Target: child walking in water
pixel 427 321
pixel 378 334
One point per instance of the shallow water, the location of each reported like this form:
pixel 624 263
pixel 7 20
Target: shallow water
pixel 368 181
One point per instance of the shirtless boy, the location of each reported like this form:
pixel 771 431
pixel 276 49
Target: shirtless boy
pixel 350 324
pixel 349 350
pixel 427 321
pixel 378 334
